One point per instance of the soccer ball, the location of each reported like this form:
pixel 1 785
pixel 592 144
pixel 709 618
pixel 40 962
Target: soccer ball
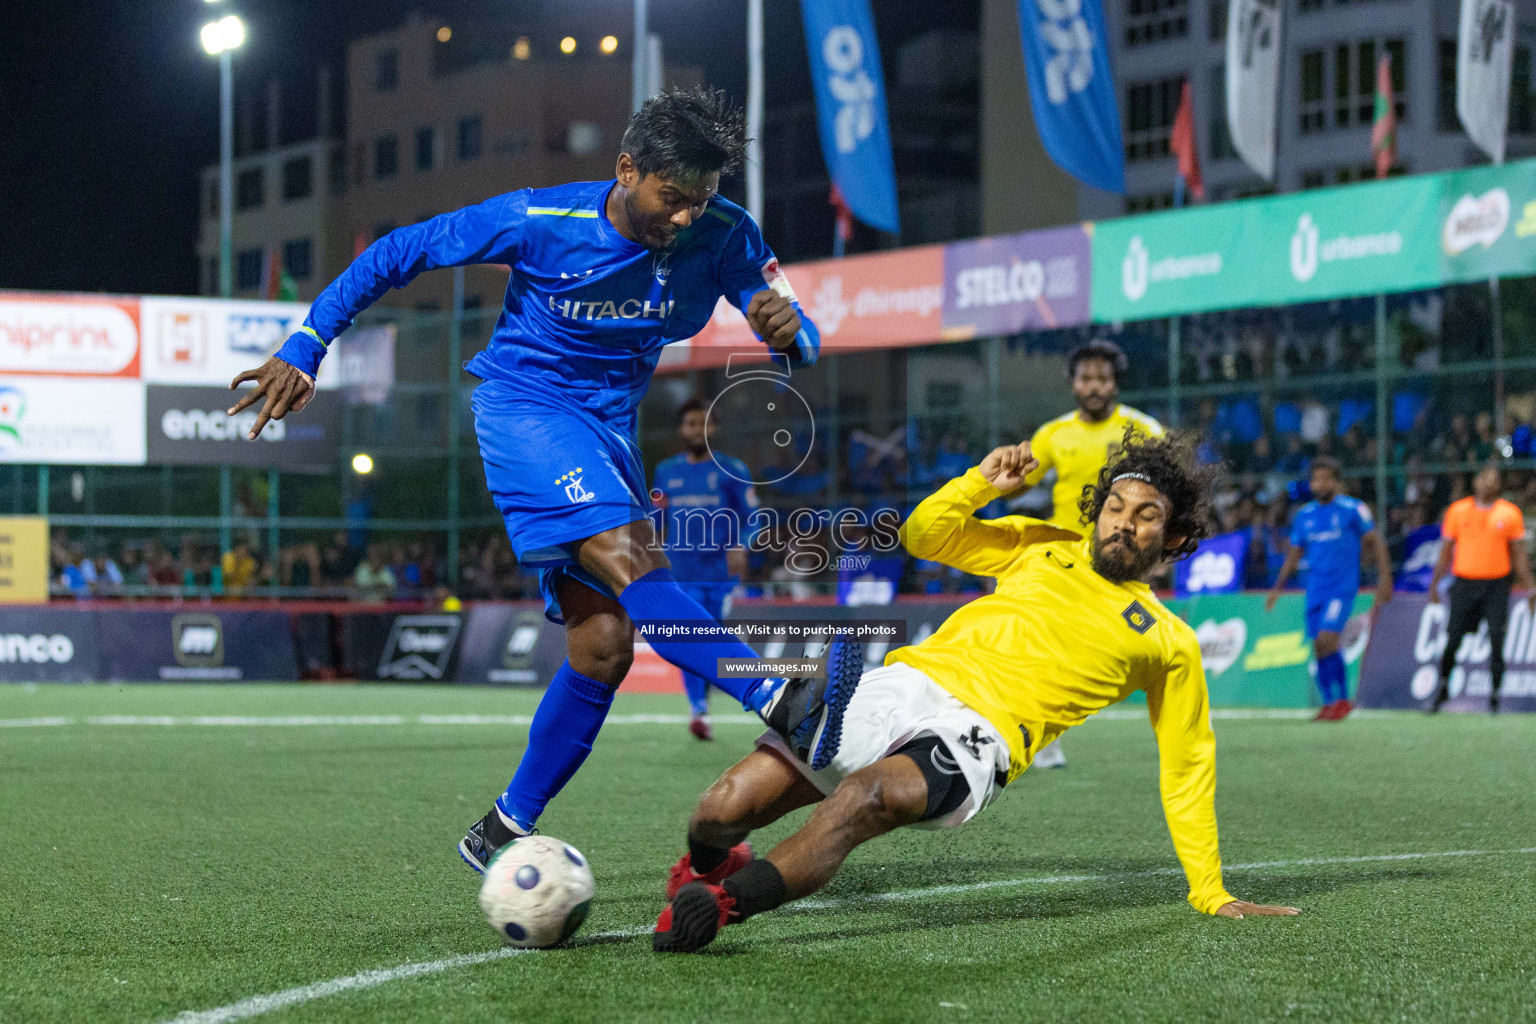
pixel 536 891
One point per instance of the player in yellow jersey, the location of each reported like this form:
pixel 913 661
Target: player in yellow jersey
pixel 934 735
pixel 1077 445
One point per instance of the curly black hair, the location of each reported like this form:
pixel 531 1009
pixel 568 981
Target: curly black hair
pixel 686 132
pixel 694 404
pixel 1099 348
pixel 1169 464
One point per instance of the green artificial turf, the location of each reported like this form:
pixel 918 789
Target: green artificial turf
pixel 154 869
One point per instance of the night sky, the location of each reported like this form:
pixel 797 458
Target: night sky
pixel 109 107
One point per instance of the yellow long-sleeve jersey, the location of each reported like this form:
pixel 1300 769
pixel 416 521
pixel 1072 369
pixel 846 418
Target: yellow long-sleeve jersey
pixel 1058 642
pixel 1078 451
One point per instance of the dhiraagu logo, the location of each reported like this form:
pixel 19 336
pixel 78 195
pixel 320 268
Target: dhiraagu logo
pixel 13 405
pixel 1140 270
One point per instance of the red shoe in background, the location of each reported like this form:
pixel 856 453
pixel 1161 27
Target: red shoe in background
pixel 1324 714
pixel 683 873
pixel 700 728
pixel 1345 706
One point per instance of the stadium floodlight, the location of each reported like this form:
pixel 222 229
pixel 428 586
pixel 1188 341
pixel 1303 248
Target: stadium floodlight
pixel 610 44
pixel 221 38
pixel 568 45
pixel 223 35
pixel 362 463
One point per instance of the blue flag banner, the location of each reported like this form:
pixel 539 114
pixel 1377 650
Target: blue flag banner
pixel 850 106
pixel 1421 549
pixel 1215 568
pixel 1066 57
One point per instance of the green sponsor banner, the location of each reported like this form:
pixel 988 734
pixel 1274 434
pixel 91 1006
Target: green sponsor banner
pixel 1321 244
pixel 1488 222
pixel 1255 658
pixel 1391 236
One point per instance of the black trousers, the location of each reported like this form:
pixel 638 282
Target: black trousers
pixel 1472 601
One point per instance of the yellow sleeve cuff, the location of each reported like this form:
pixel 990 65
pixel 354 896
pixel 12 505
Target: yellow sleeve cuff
pixel 1208 903
pixel 973 487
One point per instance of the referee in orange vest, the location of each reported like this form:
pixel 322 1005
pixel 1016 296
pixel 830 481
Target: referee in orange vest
pixel 1484 538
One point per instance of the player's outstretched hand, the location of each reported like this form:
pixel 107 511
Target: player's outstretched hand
pixel 1383 594
pixel 1242 908
pixel 1270 599
pixel 1005 468
pixel 285 387
pixel 774 319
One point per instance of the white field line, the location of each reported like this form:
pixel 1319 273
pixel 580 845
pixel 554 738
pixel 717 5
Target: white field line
pixel 303 720
pixel 255 1006
pixel 1116 714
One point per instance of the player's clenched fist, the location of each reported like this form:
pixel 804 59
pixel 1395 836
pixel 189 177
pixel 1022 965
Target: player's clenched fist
pixel 774 319
pixel 1006 467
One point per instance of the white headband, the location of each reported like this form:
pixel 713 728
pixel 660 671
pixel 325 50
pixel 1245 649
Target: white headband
pixel 1131 476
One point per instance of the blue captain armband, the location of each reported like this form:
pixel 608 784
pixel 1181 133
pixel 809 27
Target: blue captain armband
pixel 303 349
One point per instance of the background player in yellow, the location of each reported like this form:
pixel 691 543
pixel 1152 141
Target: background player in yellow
pixel 934 735
pixel 1077 445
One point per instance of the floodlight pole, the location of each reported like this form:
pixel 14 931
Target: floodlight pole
pixel 637 80
pixel 754 167
pixel 226 172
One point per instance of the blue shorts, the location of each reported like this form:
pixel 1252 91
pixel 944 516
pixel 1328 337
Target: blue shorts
pixel 557 474
pixel 1328 612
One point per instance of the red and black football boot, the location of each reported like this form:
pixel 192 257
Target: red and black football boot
pixel 693 919
pixel 683 873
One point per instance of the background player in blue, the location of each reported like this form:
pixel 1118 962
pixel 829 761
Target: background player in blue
pixel 706 498
pixel 603 275
pixel 1330 530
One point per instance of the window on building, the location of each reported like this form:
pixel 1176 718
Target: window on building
pixel 298 258
pixel 1216 18
pixel 1310 5
pixel 298 178
pixel 1148 203
pixel 1221 147
pixel 1522 118
pixel 248 269
pixel 426 148
pixel 386 156
pixel 1151 109
pixel 248 189
pixel 1314 117
pixel 1445 90
pixel 1354 81
pixel 386 70
pixel 471 137
pixel 338 169
pixel 1153 21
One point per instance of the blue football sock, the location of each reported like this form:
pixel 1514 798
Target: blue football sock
pixel 559 740
pixel 1330 677
pixel 697 688
pixel 656 597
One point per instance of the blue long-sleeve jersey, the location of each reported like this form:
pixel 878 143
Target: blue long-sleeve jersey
pixel 587 310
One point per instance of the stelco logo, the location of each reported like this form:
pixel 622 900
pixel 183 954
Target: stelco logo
pixel 66 337
pixel 216 425
pixel 36 649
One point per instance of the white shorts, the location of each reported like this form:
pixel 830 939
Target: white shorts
pixel 893 706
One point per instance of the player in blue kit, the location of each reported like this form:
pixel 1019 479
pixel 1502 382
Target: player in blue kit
pixel 1331 530
pixel 604 274
pixel 707 500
